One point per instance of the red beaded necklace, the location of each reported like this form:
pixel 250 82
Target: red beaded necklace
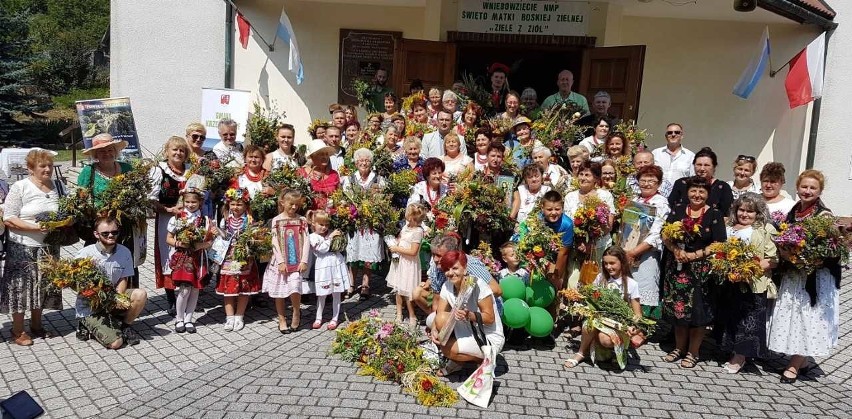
pixel 254 178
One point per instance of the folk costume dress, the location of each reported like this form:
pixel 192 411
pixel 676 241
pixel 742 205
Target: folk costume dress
pixel 405 272
pixel 364 246
pixel 237 277
pixel 806 317
pixel 188 266
pixel 688 289
pixel 322 186
pixel 330 273
pixel 743 309
pixel 290 247
pixel 166 185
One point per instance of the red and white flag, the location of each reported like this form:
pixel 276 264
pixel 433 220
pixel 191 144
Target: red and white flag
pixel 245 29
pixel 807 68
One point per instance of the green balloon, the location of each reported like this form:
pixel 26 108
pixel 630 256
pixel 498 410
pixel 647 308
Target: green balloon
pixel 540 294
pixel 541 322
pixel 516 313
pixel 513 287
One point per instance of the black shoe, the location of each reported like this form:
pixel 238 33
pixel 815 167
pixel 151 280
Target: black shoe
pixel 130 337
pixel 172 311
pixel 180 327
pixel 190 328
pixel 83 334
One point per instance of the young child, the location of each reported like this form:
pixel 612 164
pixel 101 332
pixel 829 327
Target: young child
pixel 237 279
pixel 187 260
pixel 528 194
pixel 330 273
pixel 290 257
pixel 556 220
pixel 404 275
pixel 509 252
pixel 615 275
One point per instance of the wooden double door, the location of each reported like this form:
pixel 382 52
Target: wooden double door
pixel 616 70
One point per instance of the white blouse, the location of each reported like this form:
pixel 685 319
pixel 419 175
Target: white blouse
pixel 572 201
pixel 661 204
pixel 25 201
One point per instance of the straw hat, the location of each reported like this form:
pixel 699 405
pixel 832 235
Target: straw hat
pixel 104 141
pixel 521 120
pixel 316 146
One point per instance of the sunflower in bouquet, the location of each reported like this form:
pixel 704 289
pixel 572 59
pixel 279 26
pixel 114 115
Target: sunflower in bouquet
pixel 539 245
pixel 735 261
pixel 808 243
pixel 253 242
pixel 590 220
pixel 86 278
pixel 126 196
pixel 478 203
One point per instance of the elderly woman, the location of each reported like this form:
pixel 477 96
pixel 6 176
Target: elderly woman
pixel 434 104
pixel 705 163
pixel 450 103
pixel 374 125
pixel 429 191
pixel 196 133
pixel 390 140
pixel 228 150
pixel 806 316
pixel 482 141
pixel 253 173
pixel 529 103
pixel 454 161
pixel 22 288
pixel 470 117
pixel 462 347
pixel 576 156
pixel 521 146
pixel 324 180
pixel 391 109
pixel 589 177
pixel 742 315
pixel 744 168
pixel 687 289
pixel 364 249
pixel 592 142
pixel 167 180
pixel 286 153
pixel 410 159
pixel 555 175
pixel 644 256
pixel 772 184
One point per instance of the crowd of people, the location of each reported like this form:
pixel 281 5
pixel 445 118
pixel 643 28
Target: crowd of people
pixel 441 135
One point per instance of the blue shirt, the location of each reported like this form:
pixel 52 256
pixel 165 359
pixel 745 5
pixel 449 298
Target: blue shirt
pixel 565 226
pixel 475 267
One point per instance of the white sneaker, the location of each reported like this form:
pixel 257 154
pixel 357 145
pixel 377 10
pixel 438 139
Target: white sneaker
pixel 229 324
pixel 238 325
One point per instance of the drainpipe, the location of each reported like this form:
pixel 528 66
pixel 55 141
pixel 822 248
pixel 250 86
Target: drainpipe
pixel 229 45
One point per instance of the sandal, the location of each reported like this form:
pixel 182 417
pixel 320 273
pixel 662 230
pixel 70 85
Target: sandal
pixel 286 330
pixel 332 325
pixel 573 362
pixel 317 324
pixel 689 361
pixel 672 356
pixel 451 367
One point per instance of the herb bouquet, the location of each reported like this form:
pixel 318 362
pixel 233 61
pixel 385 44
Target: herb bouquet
pixel 477 203
pixel 538 246
pixel 590 221
pixel 735 261
pixel 806 244
pixel 254 242
pixel 60 228
pixel 264 208
pixel 390 352
pixel 83 276
pixel 126 196
pixel 556 128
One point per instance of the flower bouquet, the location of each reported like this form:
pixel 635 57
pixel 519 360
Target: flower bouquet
pixel 734 261
pixel 262 126
pixel 83 276
pixel 806 244
pixel 635 137
pixel 556 128
pixel 59 226
pixel 126 196
pixel 217 176
pixel 500 126
pixel 590 221
pixel 477 203
pixel 390 352
pixel 538 246
pixel 483 252
pixel 383 161
pixel 680 233
pixel 417 129
pixel 400 183
pixel 80 205
pixel 254 242
pixel 363 93
pixel 621 194
pixel 188 233
pixel 605 310
pixel 264 207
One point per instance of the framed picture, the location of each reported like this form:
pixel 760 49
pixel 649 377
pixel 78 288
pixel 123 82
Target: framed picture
pixel 289 233
pixel 636 222
pixel 507 183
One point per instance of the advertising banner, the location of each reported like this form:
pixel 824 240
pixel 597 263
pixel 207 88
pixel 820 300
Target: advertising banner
pixel 524 17
pixel 219 104
pixel 113 116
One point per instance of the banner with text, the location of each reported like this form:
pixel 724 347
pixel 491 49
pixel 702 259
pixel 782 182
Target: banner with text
pixel 219 104
pixel 525 17
pixel 110 115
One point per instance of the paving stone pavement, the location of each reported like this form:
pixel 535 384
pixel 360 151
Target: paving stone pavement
pixel 260 373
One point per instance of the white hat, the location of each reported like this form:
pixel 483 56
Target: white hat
pixel 316 146
pixel 104 141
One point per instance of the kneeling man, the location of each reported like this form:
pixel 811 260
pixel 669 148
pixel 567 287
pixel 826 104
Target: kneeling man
pixel 111 329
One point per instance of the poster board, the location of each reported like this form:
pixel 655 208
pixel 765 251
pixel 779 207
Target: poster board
pixel 525 17
pixel 636 222
pixel 218 104
pixel 109 115
pixel 362 52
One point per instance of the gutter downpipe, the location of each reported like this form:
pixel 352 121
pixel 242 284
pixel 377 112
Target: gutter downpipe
pixel 815 111
pixel 229 46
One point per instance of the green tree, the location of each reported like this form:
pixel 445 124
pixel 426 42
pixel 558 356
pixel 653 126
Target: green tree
pixel 17 93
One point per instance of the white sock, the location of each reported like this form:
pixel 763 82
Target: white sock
pixel 229 319
pixel 191 302
pixel 320 307
pixel 180 303
pixel 335 308
pixel 238 319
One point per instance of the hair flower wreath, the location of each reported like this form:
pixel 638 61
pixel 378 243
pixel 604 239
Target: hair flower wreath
pixel 237 194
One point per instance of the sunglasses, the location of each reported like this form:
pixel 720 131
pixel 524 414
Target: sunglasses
pixel 113 233
pixel 673 132
pixel 197 137
pixel 746 158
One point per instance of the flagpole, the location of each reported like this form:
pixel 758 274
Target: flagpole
pixel 256 32
pixel 772 72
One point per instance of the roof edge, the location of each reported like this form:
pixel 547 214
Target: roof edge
pixel 797 11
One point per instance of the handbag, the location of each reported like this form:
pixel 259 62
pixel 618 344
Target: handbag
pixel 21 406
pixel 478 387
pixel 589 270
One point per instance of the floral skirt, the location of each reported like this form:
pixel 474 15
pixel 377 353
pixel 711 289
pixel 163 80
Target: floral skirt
pixel 21 287
pixel 187 268
pixel 688 293
pixel 239 284
pixel 741 321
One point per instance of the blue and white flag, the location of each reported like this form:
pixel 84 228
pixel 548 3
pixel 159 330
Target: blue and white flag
pixel 756 67
pixel 285 31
